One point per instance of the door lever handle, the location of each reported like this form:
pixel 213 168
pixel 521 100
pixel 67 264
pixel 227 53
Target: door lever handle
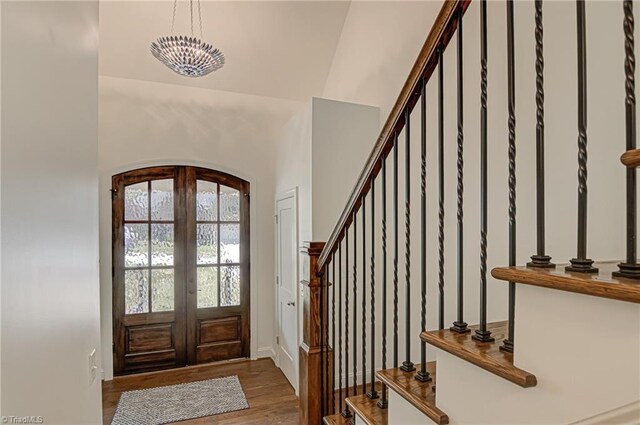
pixel 291 303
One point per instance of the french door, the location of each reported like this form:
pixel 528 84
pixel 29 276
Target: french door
pixel 180 268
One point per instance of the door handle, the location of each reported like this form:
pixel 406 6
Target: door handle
pixel 291 303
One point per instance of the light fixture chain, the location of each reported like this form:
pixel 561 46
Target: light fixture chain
pixel 173 18
pixel 191 10
pixel 200 20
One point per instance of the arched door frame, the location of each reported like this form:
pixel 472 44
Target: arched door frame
pixel 106 242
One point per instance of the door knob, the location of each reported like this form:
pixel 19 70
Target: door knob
pixel 291 303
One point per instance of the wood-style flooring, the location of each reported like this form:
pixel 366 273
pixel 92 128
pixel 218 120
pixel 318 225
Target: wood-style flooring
pixel 271 398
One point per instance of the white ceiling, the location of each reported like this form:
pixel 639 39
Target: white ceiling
pixel 279 49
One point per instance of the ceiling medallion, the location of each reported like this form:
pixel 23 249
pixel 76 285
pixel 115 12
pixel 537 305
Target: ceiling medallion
pixel 187 56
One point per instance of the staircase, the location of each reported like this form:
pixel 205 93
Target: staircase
pixel 549 360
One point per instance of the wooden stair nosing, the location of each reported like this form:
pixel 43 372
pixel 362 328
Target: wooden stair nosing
pixel 631 158
pixel 367 409
pixel 336 419
pixel 413 391
pixel 600 284
pixel 485 355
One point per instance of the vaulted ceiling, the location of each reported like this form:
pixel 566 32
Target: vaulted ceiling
pixel 280 49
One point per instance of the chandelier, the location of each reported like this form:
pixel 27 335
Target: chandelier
pixel 188 56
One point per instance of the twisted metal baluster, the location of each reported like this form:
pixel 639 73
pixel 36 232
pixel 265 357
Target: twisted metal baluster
pixel 383 402
pixel 340 327
pixel 333 332
pixel 482 334
pixel 372 391
pixel 581 263
pixel 423 374
pixel 440 190
pixel 508 343
pixel 395 252
pixel 460 325
pixel 364 300
pixel 407 364
pixel 355 304
pixel 540 259
pixel 630 268
pixel 346 413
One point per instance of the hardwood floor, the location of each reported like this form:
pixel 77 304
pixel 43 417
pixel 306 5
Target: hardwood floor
pixel 271 398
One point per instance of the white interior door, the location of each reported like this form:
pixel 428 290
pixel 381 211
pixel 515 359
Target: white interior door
pixel 287 262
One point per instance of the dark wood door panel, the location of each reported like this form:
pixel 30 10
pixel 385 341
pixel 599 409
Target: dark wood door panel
pixel 149 338
pixel 142 362
pixel 219 351
pixel 220 330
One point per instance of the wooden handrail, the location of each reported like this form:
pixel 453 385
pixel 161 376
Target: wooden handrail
pixel 441 32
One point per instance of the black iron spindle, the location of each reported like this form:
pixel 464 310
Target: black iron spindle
pixel 326 342
pixel 508 343
pixel 323 351
pixel 540 259
pixel 355 304
pixel 630 268
pixel 364 298
pixel 581 263
pixel 440 190
pixel 423 375
pixel 482 334
pixel 460 325
pixel 383 402
pixel 407 364
pixel 340 327
pixel 333 332
pixel 395 251
pixel 346 413
pixel 372 391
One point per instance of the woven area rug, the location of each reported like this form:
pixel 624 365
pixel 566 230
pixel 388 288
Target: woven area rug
pixel 161 405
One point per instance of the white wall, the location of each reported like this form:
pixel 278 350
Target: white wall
pixel 49 183
pixel 145 123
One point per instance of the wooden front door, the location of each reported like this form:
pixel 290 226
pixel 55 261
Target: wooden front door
pixel 180 268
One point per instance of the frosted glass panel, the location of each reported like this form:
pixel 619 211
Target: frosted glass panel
pixel 207 239
pixel 136 291
pixel 230 243
pixel 162 290
pixel 136 245
pixel 207 287
pixel 162 200
pixel 162 244
pixel 229 285
pixel 207 201
pixel 136 201
pixel 229 204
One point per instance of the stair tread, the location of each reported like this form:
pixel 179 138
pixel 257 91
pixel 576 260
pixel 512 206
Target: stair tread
pixel 336 419
pixel 631 158
pixel 419 394
pixel 486 355
pixel 368 410
pixel 601 284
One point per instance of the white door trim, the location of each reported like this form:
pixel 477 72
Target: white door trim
pixel 291 193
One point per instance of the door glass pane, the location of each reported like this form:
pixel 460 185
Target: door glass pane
pixel 136 245
pixel 206 201
pixel 229 204
pixel 162 200
pixel 136 291
pixel 162 290
pixel 136 202
pixel 162 244
pixel 229 285
pixel 207 287
pixel 230 243
pixel 207 239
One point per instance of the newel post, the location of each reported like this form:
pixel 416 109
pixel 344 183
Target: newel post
pixel 310 384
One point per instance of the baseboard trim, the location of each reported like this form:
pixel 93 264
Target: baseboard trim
pixel 264 352
pixel 626 415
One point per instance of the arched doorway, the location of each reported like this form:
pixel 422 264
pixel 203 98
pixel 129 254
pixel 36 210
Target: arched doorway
pixel 180 268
